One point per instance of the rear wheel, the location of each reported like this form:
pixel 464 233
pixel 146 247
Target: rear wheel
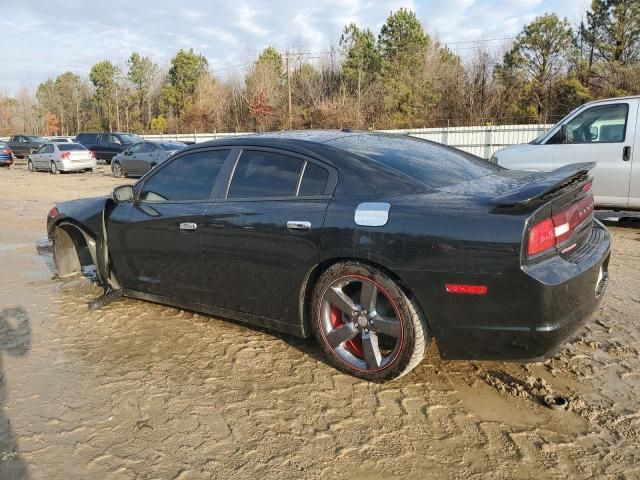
pixel 366 324
pixel 117 170
pixel 30 166
pixel 53 168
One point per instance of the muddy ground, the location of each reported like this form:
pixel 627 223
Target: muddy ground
pixel 138 390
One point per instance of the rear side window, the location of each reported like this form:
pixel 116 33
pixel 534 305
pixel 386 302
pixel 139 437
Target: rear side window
pixel 265 175
pixel 87 137
pixel 190 177
pixel 66 147
pixel 314 181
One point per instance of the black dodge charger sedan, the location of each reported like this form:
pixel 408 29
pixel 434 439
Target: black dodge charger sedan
pixel 372 243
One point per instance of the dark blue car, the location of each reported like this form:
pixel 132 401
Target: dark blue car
pixel 6 159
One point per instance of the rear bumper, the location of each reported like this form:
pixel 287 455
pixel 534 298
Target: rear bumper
pixel 77 165
pixel 6 160
pixel 527 314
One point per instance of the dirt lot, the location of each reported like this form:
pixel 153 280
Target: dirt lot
pixel 137 390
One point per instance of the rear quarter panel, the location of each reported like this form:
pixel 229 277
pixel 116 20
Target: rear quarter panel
pixel 428 241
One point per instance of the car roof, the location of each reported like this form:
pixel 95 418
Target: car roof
pixel 301 138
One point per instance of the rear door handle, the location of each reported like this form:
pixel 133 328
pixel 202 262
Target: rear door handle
pixel 188 227
pixel 298 225
pixel 626 154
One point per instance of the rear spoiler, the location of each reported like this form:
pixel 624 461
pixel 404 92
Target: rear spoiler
pixel 545 184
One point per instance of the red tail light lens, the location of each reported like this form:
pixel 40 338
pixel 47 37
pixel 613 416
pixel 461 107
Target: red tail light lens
pixel 53 213
pixel 92 154
pixel 541 237
pixel 7 151
pixel 65 155
pixel 550 232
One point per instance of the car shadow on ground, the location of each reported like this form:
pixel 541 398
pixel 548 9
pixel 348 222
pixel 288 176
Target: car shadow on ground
pixel 619 219
pixel 15 340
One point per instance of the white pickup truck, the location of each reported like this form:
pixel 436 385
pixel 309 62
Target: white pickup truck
pixel 606 132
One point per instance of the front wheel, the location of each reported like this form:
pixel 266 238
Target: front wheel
pixel 366 324
pixel 30 166
pixel 117 169
pixel 53 168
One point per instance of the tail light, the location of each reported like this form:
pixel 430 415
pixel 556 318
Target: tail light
pixel 92 154
pixel 7 151
pixel 65 155
pixel 550 232
pixel 53 213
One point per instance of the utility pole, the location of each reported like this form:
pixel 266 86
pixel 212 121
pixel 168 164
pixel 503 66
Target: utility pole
pixel 289 85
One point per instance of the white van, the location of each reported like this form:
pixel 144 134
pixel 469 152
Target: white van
pixel 606 132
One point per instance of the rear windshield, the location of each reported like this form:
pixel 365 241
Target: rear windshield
pixel 65 147
pixel 172 146
pixel 434 165
pixel 3 144
pixel 33 138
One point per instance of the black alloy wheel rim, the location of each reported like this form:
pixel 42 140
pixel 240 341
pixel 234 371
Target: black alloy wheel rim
pixel 360 323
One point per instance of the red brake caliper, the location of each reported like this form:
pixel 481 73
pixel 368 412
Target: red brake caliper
pixel 355 344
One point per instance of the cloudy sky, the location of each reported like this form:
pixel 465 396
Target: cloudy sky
pixel 42 38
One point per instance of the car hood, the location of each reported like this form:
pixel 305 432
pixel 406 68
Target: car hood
pixel 525 147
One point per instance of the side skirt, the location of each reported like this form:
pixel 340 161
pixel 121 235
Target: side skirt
pixel 257 320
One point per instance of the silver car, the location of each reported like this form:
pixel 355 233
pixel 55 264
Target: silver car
pixel 62 157
pixel 141 157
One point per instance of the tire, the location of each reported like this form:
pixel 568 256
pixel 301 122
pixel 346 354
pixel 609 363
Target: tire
pixel 30 166
pixel 53 169
pixel 117 170
pixel 379 343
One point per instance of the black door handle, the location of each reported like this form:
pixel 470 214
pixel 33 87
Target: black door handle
pixel 626 154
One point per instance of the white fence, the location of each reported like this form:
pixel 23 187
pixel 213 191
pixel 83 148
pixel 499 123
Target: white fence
pixel 481 141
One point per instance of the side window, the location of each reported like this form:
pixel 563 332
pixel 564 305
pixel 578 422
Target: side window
pixel 599 124
pixel 314 181
pixel 265 175
pixel 114 140
pixel 149 147
pixel 42 149
pixel 136 148
pixel 190 177
pixel 48 148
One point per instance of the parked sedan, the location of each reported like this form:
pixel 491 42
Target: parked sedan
pixel 6 158
pixel 62 157
pixel 141 157
pixel 373 244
